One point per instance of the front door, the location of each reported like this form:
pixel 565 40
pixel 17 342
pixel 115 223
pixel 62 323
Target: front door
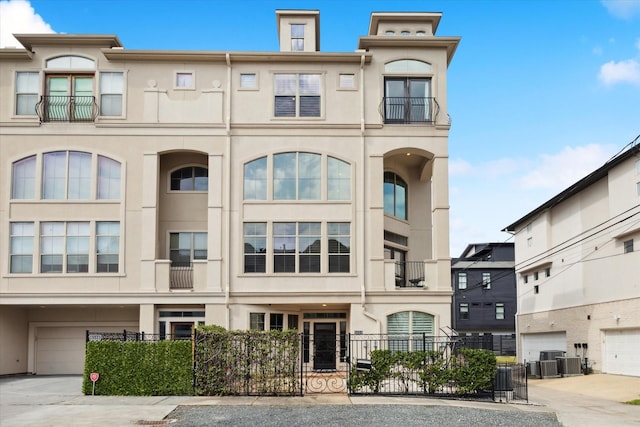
pixel 324 340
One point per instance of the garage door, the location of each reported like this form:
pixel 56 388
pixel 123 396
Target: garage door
pixel 533 344
pixel 620 352
pixel 60 350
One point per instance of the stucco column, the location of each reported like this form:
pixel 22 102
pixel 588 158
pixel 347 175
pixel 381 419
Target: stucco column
pixel 148 233
pixel 441 250
pixel 375 226
pixel 147 323
pixel 217 232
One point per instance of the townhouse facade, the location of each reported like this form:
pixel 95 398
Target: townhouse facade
pixel 578 270
pixel 484 294
pixel 154 191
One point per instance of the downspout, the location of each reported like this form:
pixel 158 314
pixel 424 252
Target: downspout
pixel 227 197
pixel 361 224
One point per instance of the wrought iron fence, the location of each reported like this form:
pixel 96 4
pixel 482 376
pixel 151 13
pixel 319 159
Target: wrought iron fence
pixel 252 363
pixel 58 108
pixel 181 275
pixel 404 110
pixel 410 274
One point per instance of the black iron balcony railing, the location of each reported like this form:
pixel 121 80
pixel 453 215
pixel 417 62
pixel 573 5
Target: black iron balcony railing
pixel 409 274
pixel 405 110
pixel 56 108
pixel 181 275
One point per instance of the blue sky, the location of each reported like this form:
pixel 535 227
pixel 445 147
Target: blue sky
pixel 540 92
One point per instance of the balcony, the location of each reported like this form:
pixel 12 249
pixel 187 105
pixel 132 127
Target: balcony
pixel 407 110
pixel 57 108
pixel 409 274
pixel 181 275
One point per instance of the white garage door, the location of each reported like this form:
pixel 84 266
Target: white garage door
pixel 533 344
pixel 60 350
pixel 620 352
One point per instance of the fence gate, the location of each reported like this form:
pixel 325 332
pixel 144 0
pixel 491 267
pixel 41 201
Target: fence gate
pixel 324 360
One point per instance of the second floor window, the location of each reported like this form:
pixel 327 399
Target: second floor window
pixel 111 90
pixel 66 175
pixel 464 311
pixel 499 311
pixel 462 280
pixel 297 95
pixel 185 247
pixel 27 85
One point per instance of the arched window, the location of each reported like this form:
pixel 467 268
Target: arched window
pixel 70 62
pixel 297 176
pixel 407 330
pixel 24 178
pixel 407 66
pixel 395 195
pixel 190 178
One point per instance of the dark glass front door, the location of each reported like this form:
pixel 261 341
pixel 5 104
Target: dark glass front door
pixel 324 340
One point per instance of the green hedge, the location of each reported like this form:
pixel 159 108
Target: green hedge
pixel 139 368
pixel 246 362
pixel 471 371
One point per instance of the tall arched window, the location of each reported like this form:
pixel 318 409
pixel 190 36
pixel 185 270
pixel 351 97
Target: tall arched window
pixel 408 329
pixel 190 178
pixel 395 195
pixel 24 178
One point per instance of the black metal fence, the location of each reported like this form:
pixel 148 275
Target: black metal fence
pixel 61 108
pixel 383 364
pixel 181 275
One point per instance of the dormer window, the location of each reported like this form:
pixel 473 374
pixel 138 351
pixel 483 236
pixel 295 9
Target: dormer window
pixel 390 33
pixel 297 37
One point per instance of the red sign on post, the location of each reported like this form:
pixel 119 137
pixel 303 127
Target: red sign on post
pixel 94 376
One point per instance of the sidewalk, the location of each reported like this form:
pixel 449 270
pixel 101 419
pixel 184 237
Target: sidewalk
pixel 592 400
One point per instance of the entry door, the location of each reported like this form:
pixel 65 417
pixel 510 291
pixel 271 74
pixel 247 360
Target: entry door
pixel 324 340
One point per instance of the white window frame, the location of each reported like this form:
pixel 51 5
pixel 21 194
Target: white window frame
pixel 500 311
pixel 462 284
pixel 297 95
pixel 256 82
pixel 29 92
pixel 102 92
pixel 177 85
pixel 486 280
pixel 341 84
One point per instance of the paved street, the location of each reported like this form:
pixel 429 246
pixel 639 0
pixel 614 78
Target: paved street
pixel 584 401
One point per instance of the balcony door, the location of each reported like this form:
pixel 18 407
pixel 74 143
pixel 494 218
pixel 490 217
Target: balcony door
pixel 407 100
pixel 69 98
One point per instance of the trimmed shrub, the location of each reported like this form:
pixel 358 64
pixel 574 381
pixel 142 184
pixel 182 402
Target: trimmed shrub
pixel 139 368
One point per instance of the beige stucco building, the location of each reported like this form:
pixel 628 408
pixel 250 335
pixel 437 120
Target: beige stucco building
pixel 152 191
pixel 578 270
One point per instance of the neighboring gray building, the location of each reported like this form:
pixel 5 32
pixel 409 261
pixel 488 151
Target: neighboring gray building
pixel 484 294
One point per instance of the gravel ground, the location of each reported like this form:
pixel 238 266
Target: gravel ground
pixel 355 415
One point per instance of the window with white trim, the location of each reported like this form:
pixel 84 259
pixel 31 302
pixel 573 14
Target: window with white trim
pixel 255 247
pixel 347 81
pixel 27 85
pixel 64 247
pixel 184 247
pixel 24 178
pixel 339 245
pixel 248 81
pixel 184 80
pixel 297 95
pixel 111 90
pixel 21 247
pixel 407 329
pixel 499 311
pixel 256 321
pixel 462 280
pixel 297 37
pixel 463 311
pixel 107 246
pixel 486 280
pixel 297 176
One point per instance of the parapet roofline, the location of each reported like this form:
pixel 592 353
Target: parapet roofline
pixel 204 56
pixel 97 40
pixel 376 17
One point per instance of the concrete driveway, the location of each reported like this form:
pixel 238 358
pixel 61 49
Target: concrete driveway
pixel 593 400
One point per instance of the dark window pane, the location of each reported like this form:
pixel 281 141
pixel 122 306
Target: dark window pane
pixel 309 106
pixel 285 106
pixel 338 263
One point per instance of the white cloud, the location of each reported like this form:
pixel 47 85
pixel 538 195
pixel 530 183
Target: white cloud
pixel 459 167
pixel 560 170
pixel 623 9
pixel 627 71
pixel 19 17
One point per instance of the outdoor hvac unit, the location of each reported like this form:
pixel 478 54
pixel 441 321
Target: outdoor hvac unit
pixel 570 366
pixel 549 369
pixel 551 354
